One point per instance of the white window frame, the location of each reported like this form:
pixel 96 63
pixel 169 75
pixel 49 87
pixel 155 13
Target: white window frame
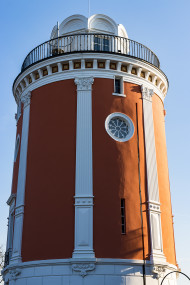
pixel 121 87
pixel 125 118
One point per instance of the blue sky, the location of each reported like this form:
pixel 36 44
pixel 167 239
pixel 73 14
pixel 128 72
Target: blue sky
pixel 163 26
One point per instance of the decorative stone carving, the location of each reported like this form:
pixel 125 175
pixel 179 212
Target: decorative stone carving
pixel 154 207
pixel 83 268
pixel 147 93
pixel 26 99
pixel 84 83
pixel 158 271
pixel 84 201
pixel 14 274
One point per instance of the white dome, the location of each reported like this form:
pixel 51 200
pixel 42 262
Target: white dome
pixel 97 23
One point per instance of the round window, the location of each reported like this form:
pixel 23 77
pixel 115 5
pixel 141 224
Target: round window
pixel 119 127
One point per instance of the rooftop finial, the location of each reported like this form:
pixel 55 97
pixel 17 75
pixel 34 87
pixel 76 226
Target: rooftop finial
pixel 57 29
pixel 88 8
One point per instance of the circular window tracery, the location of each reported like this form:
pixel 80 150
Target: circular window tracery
pixel 119 126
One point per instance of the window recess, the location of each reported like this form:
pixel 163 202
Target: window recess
pixel 118 87
pixel 123 219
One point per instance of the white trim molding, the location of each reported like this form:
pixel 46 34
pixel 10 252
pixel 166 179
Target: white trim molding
pixel 83 180
pixel 157 75
pixel 19 210
pixel 157 254
pixel 102 271
pixel 119 95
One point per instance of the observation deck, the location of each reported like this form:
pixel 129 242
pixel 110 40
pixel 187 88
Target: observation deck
pixel 95 46
pixel 83 43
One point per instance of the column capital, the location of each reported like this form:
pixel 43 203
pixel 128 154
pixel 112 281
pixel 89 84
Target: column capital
pixel 84 83
pixel 26 99
pixel 147 93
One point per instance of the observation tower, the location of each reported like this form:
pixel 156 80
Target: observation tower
pixel 90 200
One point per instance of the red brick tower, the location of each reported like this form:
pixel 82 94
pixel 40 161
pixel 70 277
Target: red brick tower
pixel 90 200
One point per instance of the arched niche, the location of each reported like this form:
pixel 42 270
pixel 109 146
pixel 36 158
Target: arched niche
pixel 103 24
pixel 75 23
pixel 97 23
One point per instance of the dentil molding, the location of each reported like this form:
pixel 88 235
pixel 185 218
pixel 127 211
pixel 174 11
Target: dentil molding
pixel 22 84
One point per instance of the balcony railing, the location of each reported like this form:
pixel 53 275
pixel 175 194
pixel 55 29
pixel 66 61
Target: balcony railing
pixel 90 43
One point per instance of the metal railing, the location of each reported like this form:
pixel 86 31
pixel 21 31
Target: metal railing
pixel 90 43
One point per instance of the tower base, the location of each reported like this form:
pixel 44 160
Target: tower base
pixel 87 272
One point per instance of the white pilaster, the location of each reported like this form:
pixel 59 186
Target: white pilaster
pixel 83 180
pixel 19 210
pixel 152 178
pixel 11 203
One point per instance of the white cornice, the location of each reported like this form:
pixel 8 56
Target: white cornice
pixel 19 90
pixel 79 56
pixel 109 74
pixel 69 261
pixel 106 267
